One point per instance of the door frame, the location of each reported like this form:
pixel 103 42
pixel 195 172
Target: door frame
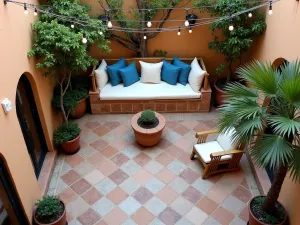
pixel 29 142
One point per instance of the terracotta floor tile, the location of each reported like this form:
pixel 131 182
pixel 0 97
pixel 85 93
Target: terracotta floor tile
pixel 122 129
pixel 184 158
pixel 174 151
pixel 119 159
pixel 207 205
pixel 216 194
pixel 70 177
pixel 196 216
pixel 89 217
pixel 101 130
pixel 143 176
pixel 101 222
pixel 142 217
pixel 168 195
pixel 68 195
pixel 115 217
pixel 99 144
pixel 117 195
pixel 120 144
pixel 164 159
pixel 166 176
pixel 242 194
pixel 189 175
pixel 91 196
pixel 169 216
pixel 109 151
pixel 244 214
pixel 118 176
pixel 190 124
pixel 142 159
pixel 245 184
pixel 182 130
pixel 201 127
pixel 184 144
pixel 164 144
pixel 73 160
pixel 81 186
pixel 96 159
pixel 112 125
pixel 94 177
pixel 223 216
pixel 192 195
pixel 171 124
pixel 107 167
pixel 142 195
pixel 92 125
pixel 69 216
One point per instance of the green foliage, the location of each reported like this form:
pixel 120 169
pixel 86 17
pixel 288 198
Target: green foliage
pixel 49 209
pixel 160 53
pixel 66 132
pixel 232 44
pixel 148 119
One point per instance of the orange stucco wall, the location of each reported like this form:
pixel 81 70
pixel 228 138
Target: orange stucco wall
pixel 15 41
pixel 281 40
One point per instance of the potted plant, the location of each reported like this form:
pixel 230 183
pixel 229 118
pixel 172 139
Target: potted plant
pixel 278 113
pixel 232 44
pixel 67 136
pixel 50 210
pixel 148 127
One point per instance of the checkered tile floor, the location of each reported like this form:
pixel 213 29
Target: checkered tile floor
pixel 114 181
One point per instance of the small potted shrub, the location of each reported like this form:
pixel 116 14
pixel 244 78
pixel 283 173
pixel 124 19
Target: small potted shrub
pixel 67 136
pixel 50 210
pixel 148 127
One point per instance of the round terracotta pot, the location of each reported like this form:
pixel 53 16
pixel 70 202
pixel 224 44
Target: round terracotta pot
pixel 71 147
pixel 254 221
pixel 60 221
pixel 79 110
pixel 219 95
pixel 148 137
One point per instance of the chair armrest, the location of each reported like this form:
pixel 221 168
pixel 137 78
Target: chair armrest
pixel 229 152
pixel 202 133
pixel 92 75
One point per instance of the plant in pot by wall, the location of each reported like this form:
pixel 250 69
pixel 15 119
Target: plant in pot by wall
pixel 148 127
pixel 279 113
pixel 59 48
pixel 50 210
pixel 232 44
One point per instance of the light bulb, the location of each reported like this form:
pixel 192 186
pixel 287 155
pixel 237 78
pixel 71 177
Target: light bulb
pixel 250 15
pixel 100 32
pixel 72 26
pixel 25 9
pixel 149 24
pixel 270 12
pixel 178 33
pixel 35 12
pixel 145 37
pixel 270 8
pixel 190 31
pixel 109 24
pixel 231 28
pixel 84 40
pixel 186 23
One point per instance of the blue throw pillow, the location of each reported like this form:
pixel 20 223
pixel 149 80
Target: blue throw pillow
pixel 113 72
pixel 129 75
pixel 170 73
pixel 185 70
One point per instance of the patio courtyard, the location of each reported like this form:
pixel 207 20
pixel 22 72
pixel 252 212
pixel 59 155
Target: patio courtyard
pixel 112 180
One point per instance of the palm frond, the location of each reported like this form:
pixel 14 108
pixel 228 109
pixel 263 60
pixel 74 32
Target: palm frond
pixel 284 126
pixel 271 150
pixel 294 166
pixel 237 90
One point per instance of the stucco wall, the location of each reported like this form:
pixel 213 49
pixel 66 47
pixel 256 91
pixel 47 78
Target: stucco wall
pixel 281 40
pixel 15 41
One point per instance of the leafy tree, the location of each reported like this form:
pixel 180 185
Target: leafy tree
pixel 58 47
pixel 136 41
pixel 232 44
pixel 281 91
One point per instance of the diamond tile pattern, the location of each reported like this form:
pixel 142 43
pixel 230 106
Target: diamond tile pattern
pixel 114 181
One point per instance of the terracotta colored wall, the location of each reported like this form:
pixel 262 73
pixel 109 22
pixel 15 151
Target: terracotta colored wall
pixel 281 40
pixel 15 41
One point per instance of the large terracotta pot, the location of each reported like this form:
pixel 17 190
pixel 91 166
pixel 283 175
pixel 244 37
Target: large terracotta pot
pixel 148 137
pixel 219 95
pixel 254 221
pixel 71 147
pixel 80 109
pixel 60 221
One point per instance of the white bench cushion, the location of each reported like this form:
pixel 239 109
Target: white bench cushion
pixel 206 149
pixel 142 91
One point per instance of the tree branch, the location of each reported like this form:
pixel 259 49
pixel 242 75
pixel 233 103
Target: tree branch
pixel 126 45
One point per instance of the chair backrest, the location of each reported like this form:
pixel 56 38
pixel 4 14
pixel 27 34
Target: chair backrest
pixel 225 140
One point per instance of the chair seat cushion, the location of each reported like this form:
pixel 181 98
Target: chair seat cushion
pixel 205 149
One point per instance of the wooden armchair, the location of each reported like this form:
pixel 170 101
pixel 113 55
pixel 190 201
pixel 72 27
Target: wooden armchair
pixel 217 156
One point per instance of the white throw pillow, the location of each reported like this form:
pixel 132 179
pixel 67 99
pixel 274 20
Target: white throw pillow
pixel 150 72
pixel 196 76
pixel 101 75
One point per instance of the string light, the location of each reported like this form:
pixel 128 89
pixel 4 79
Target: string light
pixel 190 30
pixel 178 33
pixel 145 37
pixel 250 15
pixel 149 24
pixel 84 40
pixel 109 24
pixel 72 26
pixel 270 8
pixel 187 23
pixel 35 12
pixel 231 27
pixel 25 9
pixel 100 32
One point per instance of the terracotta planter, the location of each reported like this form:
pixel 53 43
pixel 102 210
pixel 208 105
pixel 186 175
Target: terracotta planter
pixel 60 221
pixel 219 95
pixel 254 221
pixel 71 147
pixel 148 137
pixel 79 110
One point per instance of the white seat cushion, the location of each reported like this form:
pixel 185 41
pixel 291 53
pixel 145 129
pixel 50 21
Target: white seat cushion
pixel 206 149
pixel 142 91
pixel 225 142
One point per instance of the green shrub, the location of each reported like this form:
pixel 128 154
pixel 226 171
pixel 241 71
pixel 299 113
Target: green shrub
pixel 66 132
pixel 148 119
pixel 49 209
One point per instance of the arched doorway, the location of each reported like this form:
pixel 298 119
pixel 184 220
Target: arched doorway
pixel 30 124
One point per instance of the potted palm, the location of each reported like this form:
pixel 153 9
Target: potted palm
pixel 231 44
pixel 279 113
pixel 148 127
pixel 50 211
